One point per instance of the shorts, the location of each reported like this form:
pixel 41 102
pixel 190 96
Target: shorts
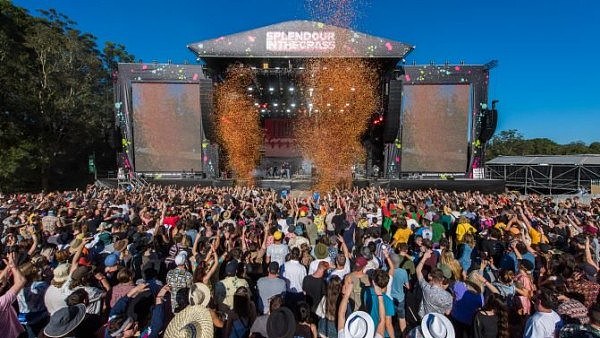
pixel 400 308
pixel 327 328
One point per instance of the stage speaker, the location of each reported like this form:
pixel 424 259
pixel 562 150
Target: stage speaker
pixel 489 121
pixel 114 139
pixel 206 109
pixel 391 120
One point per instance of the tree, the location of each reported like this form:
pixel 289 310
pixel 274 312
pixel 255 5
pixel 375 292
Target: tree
pixel 511 142
pixel 58 98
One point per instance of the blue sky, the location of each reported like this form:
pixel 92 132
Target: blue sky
pixel 547 81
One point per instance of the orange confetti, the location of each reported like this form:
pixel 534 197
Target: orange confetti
pixel 238 123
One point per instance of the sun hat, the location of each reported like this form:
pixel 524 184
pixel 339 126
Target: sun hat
pixel 321 251
pixel 120 245
pixel 359 325
pixel 435 325
pixel 514 231
pixel 277 235
pixel 65 320
pixel 192 322
pixel 199 294
pixel 74 245
pixel 226 215
pixel 281 323
pixel 180 258
pixel 61 273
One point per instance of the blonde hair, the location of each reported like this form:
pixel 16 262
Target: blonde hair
pixel 447 258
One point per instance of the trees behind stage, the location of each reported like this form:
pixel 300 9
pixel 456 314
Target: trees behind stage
pixel 511 142
pixel 56 100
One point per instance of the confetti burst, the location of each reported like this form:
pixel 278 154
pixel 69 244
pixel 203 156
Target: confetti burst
pixel 344 98
pixel 238 123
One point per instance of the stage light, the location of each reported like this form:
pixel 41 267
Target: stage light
pixel 250 89
pixel 291 89
pixel 275 104
pixel 347 104
pixel 330 89
pixel 293 105
pixel 329 105
pixel 352 89
pixel 271 89
pixel 256 104
pixel 263 110
pixel 287 110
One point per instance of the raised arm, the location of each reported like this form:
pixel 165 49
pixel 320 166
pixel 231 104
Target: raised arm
pixel 77 255
pixel 346 292
pixel 344 247
pixel 212 269
pixel 382 320
pixel 419 269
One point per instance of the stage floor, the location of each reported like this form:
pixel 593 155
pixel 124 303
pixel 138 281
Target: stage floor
pixel 485 186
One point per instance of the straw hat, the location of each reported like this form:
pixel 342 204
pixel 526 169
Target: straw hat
pixel 199 294
pixel 193 322
pixel 226 215
pixel 61 273
pixel 75 245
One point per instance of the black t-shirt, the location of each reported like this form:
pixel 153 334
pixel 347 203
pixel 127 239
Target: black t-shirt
pixel 494 248
pixel 314 289
pixel 339 222
pixel 485 326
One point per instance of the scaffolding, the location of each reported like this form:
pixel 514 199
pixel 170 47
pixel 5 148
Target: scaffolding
pixel 553 174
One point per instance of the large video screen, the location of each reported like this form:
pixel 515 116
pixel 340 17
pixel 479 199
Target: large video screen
pixel 166 126
pixel 435 126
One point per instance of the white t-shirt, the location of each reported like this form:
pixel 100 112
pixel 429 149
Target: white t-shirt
pixel 542 325
pixel 277 252
pixel 343 272
pixel 294 273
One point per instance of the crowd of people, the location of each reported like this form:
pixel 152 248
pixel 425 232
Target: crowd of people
pixel 248 262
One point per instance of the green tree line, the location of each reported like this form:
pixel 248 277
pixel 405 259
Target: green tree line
pixel 56 100
pixel 511 142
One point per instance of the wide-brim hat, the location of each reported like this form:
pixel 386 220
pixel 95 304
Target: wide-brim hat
pixel 192 322
pixel 281 323
pixel 61 273
pixel 435 325
pixel 359 325
pixel 75 245
pixel 65 320
pixel 321 251
pixel 226 215
pixel 120 245
pixel 199 294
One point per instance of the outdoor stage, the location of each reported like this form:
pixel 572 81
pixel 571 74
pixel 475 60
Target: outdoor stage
pixel 461 184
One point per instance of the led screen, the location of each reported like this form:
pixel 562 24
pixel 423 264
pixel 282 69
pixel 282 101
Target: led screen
pixel 166 126
pixel 435 128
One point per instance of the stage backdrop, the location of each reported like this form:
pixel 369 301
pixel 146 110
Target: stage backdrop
pixel 166 126
pixel 435 128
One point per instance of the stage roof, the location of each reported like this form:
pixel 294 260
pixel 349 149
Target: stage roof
pixel 588 159
pixel 300 39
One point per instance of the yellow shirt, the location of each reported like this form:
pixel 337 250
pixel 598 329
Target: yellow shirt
pixel 402 235
pixel 536 236
pixel 462 229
